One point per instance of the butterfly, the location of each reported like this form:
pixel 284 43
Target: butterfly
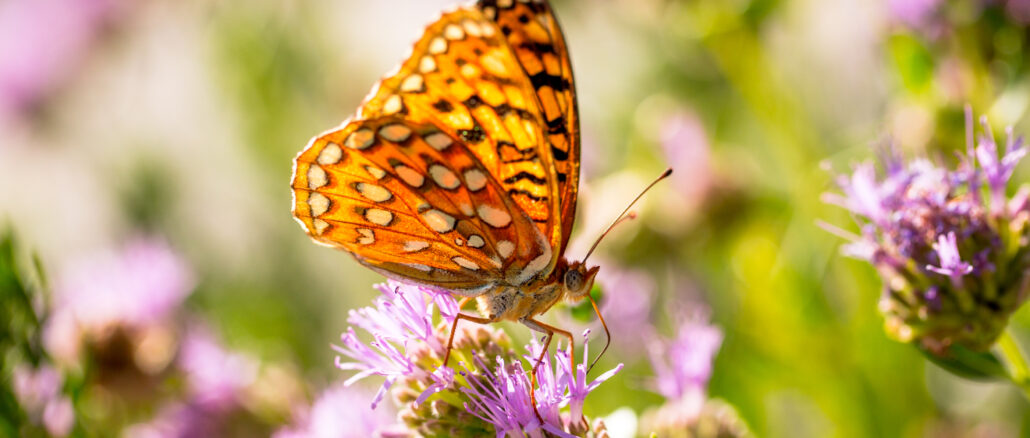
pixel 461 169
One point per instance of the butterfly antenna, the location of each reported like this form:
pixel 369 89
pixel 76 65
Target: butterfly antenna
pixel 623 216
pixel 608 334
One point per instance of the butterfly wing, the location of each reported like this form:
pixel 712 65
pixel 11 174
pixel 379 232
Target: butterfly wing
pixel 533 33
pixel 388 193
pixel 448 152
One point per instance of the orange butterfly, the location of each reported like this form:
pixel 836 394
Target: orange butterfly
pixel 461 170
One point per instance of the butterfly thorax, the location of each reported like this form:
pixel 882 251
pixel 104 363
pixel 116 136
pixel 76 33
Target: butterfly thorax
pixel 568 281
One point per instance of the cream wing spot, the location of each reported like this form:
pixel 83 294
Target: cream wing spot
pixel 379 216
pixel 505 248
pixel 458 241
pixel 453 32
pixel 488 29
pixel 444 177
pixel 475 179
pixel 438 46
pixel 495 217
pixel 320 226
pixel 376 172
pixel 465 263
pixel 410 176
pixel 366 236
pixel 395 132
pixel 373 192
pixel 534 266
pixel 331 154
pixel 418 267
pixel 317 177
pixel 413 84
pixel 427 64
pixel 360 139
pixel 476 241
pixel 415 246
pixel 393 105
pixel 466 209
pixel 490 12
pixel 439 221
pixel 439 140
pixel 319 204
pixel 472 28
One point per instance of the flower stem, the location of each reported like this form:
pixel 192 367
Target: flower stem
pixel 1015 361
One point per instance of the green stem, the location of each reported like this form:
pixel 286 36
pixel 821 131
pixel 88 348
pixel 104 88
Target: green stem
pixel 1015 361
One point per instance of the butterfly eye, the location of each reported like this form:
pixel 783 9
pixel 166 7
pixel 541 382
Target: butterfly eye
pixel 573 280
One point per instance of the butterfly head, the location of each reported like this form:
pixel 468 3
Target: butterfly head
pixel 578 280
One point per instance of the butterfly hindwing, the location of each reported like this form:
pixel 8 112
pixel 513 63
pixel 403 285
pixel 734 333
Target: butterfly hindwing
pixel 408 201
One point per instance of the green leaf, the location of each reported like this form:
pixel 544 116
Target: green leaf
pixel 969 364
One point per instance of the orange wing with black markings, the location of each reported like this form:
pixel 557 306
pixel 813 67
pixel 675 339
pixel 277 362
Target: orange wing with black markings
pixel 533 33
pixel 406 200
pixel 448 175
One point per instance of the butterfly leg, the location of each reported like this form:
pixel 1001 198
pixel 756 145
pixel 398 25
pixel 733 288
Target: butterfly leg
pixel 548 331
pixel 454 327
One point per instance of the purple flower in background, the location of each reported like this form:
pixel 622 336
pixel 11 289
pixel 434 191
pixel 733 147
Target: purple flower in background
pixel 215 376
pixel 686 147
pixel 683 364
pixel 626 305
pixel 400 322
pixel 340 412
pixel 39 393
pixel 997 172
pixel 41 42
pixel 143 282
pixel 179 419
pixel 136 287
pixel 913 221
pixel 918 14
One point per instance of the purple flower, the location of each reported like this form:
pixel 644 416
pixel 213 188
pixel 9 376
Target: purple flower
pixel 626 303
pixel 140 283
pixel 215 376
pixel 918 14
pixel 41 42
pixel 135 288
pixel 686 147
pixel 578 386
pixel 340 412
pixel 998 171
pixel 951 263
pixel 179 419
pixel 500 396
pixel 913 220
pixel 683 365
pixel 400 322
pixel 39 393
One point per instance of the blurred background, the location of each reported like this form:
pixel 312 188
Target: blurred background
pixel 151 142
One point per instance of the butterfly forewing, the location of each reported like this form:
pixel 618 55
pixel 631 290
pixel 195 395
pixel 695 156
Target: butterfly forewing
pixel 533 33
pixel 464 77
